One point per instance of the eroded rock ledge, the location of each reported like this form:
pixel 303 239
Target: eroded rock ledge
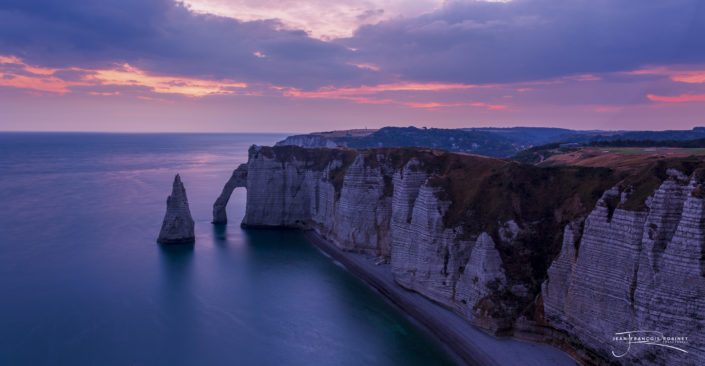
pixel 566 256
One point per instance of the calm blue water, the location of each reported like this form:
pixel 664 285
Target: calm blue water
pixel 82 281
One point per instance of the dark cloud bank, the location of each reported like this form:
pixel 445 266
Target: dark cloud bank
pixel 536 39
pixel 163 37
pixel 470 42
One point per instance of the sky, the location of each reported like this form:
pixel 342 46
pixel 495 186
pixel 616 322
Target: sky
pixel 318 65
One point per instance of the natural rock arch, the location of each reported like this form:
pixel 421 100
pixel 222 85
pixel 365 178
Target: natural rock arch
pixel 238 179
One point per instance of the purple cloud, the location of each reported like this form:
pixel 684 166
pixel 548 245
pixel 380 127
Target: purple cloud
pixel 162 36
pixel 471 42
pixel 522 40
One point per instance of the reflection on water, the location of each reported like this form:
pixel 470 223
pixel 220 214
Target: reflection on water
pixel 220 233
pixel 86 284
pixel 176 262
pixel 178 298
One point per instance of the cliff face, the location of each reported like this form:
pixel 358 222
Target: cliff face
pixel 635 270
pixel 574 255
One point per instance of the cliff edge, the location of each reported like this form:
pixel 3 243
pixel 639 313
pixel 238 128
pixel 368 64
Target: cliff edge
pixel 569 256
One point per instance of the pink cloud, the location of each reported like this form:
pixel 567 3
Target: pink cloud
pixel 683 76
pixel 583 77
pixel 436 105
pixel 104 93
pixel 39 83
pixel 342 93
pixel 677 99
pixel 152 99
pixel 366 66
pixel 367 94
pixel 43 80
pixel 126 75
pixel 607 109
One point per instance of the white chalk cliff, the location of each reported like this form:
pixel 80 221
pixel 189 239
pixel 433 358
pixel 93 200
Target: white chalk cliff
pixel 309 141
pixel 510 247
pixel 632 271
pixel 237 179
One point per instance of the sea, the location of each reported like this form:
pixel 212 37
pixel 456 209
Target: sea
pixel 83 281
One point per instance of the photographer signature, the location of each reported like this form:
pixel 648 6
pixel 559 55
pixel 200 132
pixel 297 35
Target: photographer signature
pixel 650 337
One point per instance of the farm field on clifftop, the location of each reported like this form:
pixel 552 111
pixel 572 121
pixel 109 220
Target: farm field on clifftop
pixel 620 157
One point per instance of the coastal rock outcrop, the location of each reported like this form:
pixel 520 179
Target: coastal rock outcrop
pixel 307 141
pixel 177 227
pixel 572 254
pixel 237 179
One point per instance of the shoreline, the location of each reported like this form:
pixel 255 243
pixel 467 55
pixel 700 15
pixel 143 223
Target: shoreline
pixel 466 343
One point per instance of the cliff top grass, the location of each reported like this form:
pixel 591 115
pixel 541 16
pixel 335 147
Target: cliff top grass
pixel 542 201
pixel 620 158
pixel 642 169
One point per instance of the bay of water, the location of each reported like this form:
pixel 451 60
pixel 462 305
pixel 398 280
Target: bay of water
pixel 83 282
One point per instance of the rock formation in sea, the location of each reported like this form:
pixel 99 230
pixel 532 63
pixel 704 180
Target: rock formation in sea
pixel 237 179
pixel 565 255
pixel 177 227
